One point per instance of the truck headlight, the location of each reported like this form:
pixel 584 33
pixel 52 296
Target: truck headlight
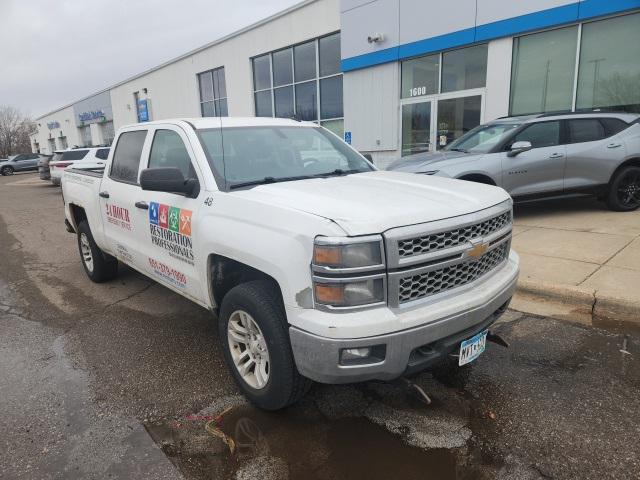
pixel 349 293
pixel 359 253
pixel 348 272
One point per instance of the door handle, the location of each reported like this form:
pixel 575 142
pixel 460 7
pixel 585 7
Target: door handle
pixel 556 155
pixel 104 194
pixel 614 145
pixel 142 205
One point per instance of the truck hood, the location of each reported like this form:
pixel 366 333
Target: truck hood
pixel 374 202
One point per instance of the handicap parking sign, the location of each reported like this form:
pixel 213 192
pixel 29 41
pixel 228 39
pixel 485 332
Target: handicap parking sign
pixel 347 137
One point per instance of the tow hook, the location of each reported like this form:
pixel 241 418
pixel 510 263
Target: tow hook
pixel 417 389
pixel 495 338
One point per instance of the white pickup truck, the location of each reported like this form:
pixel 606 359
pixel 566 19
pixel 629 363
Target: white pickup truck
pixel 317 265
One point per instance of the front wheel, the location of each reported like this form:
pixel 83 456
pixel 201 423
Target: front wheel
pixel 6 171
pixel 98 265
pixel 255 341
pixel 624 191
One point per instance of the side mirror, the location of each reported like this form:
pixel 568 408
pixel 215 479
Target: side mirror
pixel 168 179
pixel 519 147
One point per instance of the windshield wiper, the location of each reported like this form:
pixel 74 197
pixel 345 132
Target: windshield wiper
pixel 266 180
pixel 338 171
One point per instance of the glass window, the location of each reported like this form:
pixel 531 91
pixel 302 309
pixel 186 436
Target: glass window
pixel 74 155
pixel 126 159
pixel 213 93
pixel 168 150
pixel 282 67
pixel 255 153
pixel 609 71
pixel 263 104
pixel 613 125
pixel 482 138
pixel 305 61
pixel 283 99
pixel 416 127
pixel 261 72
pixel 543 134
pixel 457 116
pixel 585 130
pixel 543 70
pixel 102 154
pixel 331 97
pixel 464 68
pixel 303 81
pixel 307 101
pixel 335 126
pixel 206 87
pixel 420 76
pixel 329 55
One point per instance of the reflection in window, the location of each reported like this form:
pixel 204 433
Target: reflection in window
pixel 213 93
pixel 303 81
pixel 416 127
pixel 543 70
pixel 464 68
pixel 609 72
pixel 457 116
pixel 543 134
pixel 420 76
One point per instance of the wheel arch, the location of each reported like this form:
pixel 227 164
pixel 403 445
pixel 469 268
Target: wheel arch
pixel 630 162
pixel 225 273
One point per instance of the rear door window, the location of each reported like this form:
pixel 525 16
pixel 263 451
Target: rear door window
pixel 102 153
pixel 585 130
pixel 74 155
pixel 543 134
pixel 613 125
pixel 126 159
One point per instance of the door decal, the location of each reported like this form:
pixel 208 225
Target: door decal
pixel 170 229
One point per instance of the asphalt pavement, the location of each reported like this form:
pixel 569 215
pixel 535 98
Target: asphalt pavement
pixel 126 380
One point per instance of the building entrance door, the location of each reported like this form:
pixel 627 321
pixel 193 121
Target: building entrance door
pixel 430 123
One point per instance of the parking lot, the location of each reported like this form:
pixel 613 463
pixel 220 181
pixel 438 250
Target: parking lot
pixel 126 380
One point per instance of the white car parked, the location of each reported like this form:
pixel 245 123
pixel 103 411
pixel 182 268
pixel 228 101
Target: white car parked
pixel 93 157
pixel 317 265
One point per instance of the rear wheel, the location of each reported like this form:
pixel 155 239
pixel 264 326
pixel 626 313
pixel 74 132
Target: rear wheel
pixel 255 341
pixel 98 265
pixel 6 171
pixel 624 191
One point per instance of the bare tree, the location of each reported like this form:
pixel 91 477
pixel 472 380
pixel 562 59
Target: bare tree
pixel 15 129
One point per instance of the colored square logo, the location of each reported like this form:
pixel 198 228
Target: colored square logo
pixel 174 219
pixel 153 213
pixel 163 216
pixel 185 222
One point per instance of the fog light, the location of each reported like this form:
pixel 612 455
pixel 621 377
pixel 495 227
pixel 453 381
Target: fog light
pixel 363 355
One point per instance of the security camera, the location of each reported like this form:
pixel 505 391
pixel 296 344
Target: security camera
pixel 376 38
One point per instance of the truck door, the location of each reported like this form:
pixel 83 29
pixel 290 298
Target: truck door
pixel 540 169
pixel 118 193
pixel 166 221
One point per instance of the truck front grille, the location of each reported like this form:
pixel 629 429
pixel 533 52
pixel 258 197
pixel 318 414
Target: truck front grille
pixel 452 238
pixel 418 286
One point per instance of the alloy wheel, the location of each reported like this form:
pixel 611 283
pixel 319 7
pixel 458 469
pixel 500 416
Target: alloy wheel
pixel 629 189
pixel 85 247
pixel 249 350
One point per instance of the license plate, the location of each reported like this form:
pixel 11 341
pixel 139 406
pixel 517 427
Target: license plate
pixel 472 348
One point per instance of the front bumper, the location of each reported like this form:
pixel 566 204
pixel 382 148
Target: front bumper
pixel 406 351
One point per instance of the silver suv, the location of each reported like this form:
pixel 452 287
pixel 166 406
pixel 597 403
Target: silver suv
pixel 545 155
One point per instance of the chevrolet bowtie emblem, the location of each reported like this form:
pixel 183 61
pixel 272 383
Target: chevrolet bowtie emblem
pixel 478 250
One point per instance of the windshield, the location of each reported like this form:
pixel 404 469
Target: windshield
pixel 482 138
pixel 246 156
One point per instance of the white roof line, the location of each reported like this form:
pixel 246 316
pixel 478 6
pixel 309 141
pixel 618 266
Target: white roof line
pixel 259 23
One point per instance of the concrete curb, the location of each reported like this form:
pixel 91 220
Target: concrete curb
pixel 574 303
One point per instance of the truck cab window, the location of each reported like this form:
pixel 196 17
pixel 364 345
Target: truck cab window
pixel 168 150
pixel 126 159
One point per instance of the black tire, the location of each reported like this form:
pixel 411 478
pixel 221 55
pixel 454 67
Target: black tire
pixel 103 267
pixel 624 190
pixel 6 171
pixel 261 300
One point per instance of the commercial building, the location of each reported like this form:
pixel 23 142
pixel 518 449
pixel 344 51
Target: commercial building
pixel 393 77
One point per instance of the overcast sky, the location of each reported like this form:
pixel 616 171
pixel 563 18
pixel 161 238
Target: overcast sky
pixel 53 52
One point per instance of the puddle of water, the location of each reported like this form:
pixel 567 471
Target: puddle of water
pixel 300 444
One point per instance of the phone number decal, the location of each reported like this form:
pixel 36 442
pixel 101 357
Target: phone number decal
pixel 168 273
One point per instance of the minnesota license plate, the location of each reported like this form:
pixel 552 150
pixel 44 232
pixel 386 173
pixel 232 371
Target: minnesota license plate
pixel 472 348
